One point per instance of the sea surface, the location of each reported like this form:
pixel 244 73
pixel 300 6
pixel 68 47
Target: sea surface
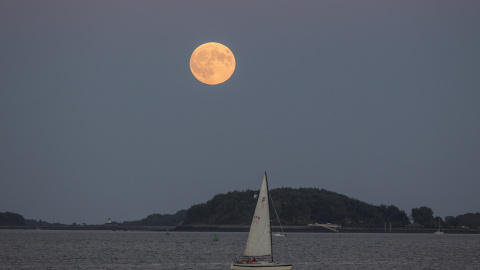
pixel 40 249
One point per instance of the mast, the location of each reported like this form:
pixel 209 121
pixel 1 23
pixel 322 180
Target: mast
pixel 269 200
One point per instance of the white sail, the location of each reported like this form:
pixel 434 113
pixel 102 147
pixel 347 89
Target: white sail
pixel 259 242
pixel 440 229
pixel 258 252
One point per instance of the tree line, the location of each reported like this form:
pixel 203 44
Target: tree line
pixel 11 219
pixel 298 207
pixel 302 206
pixel 424 216
pixel 158 220
pixel 14 219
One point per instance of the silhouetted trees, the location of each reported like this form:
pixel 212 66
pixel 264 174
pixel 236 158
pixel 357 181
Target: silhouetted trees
pixel 33 222
pixel 232 208
pixel 450 221
pixel 295 207
pixel 423 216
pixel 394 215
pixel 469 220
pixel 159 220
pixel 11 219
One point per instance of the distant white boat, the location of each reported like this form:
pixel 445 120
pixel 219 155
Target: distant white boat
pixel 329 226
pixel 279 234
pixel 258 251
pixel 440 229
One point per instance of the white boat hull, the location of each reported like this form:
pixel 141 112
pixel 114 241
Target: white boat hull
pixel 267 266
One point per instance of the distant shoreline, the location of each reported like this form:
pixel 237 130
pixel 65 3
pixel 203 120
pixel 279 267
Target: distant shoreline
pixel 313 229
pixel 237 228
pixel 109 227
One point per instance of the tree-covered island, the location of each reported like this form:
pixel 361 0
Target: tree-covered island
pixel 295 207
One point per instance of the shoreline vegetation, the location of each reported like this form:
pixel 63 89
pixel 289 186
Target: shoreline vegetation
pixel 239 228
pixel 301 209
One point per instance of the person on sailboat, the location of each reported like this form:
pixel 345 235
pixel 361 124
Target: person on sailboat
pixel 254 260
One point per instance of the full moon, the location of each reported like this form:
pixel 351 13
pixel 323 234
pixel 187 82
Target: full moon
pixel 212 63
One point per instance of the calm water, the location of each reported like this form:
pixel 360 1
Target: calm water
pixel 21 249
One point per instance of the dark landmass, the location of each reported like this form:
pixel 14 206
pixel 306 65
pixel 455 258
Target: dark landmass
pixel 9 219
pixel 317 229
pixel 158 220
pixel 297 208
pixel 240 228
pixel 106 227
pixel 153 220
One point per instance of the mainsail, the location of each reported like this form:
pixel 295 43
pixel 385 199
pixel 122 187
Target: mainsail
pixel 259 242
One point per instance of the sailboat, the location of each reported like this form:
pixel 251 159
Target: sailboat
pixel 258 250
pixel 440 229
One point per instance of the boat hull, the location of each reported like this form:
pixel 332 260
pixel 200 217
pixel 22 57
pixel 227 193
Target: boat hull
pixel 266 266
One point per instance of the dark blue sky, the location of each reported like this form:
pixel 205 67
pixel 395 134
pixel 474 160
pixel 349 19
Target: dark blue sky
pixel 101 116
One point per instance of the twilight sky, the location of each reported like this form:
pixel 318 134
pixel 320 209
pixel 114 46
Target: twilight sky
pixel 101 117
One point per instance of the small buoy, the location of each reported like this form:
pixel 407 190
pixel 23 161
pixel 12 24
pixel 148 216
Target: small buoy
pixel 215 238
